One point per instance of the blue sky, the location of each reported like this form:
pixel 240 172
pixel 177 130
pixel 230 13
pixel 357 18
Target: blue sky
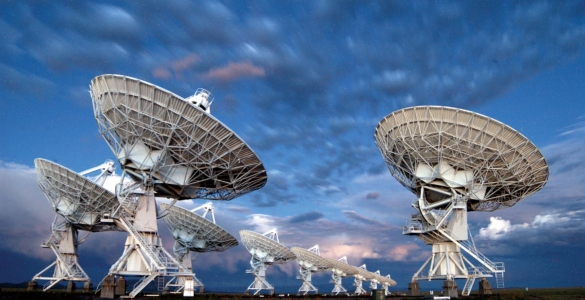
pixel 304 84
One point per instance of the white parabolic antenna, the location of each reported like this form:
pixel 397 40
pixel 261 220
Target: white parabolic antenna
pixel 187 152
pixel 173 147
pixel 456 161
pixel 310 261
pixel 82 204
pixel 79 200
pixel 196 233
pixel 339 270
pixel 193 232
pixel 266 250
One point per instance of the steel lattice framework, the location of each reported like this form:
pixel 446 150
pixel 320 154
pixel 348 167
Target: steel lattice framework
pixel 79 200
pixel 188 153
pixel 446 148
pixel 195 232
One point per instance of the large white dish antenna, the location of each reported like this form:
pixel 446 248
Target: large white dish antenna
pixel 195 232
pixel 442 149
pixel 316 262
pixel 271 252
pixel 188 153
pixel 77 199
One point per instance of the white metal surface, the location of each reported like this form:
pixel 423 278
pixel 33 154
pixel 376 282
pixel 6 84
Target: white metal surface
pixel 265 250
pixel 187 152
pixel 79 200
pixel 457 161
pixel 193 232
pixel 310 261
pixel 452 149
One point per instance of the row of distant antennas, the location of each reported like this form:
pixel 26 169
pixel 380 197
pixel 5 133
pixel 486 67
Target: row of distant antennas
pixel 358 279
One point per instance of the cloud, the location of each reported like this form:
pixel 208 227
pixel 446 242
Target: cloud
pixel 235 71
pixel 498 228
pixel 186 62
pixel 25 220
pixel 306 217
pixel 372 195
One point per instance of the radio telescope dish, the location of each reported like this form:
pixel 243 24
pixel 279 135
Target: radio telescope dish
pixel 446 149
pixel 266 250
pixel 80 204
pixel 77 199
pixel 339 270
pixel 310 261
pixel 193 232
pixel 172 147
pixel 188 153
pixel 457 161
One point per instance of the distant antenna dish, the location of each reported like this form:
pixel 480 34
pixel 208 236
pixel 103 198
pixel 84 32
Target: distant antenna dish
pixel 266 250
pixel 361 275
pixel 194 233
pixel 339 270
pixel 310 261
pixel 386 282
pixel 456 161
pixel 79 200
pixel 172 147
pixel 83 205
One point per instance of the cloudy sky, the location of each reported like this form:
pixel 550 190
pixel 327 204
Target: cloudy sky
pixel 304 83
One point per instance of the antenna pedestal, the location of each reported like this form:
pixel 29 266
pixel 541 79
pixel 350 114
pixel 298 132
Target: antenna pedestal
pixel 446 230
pixel 185 258
pixel 63 241
pixel 143 253
pixel 337 277
pixel 259 272
pixel 357 282
pixel 307 286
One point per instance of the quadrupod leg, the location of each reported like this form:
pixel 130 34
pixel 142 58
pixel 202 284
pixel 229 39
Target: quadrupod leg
pixel 259 272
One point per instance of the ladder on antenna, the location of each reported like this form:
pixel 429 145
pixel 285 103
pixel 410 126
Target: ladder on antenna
pixel 144 245
pixel 500 279
pixel 141 284
pixel 468 284
pixel 161 283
